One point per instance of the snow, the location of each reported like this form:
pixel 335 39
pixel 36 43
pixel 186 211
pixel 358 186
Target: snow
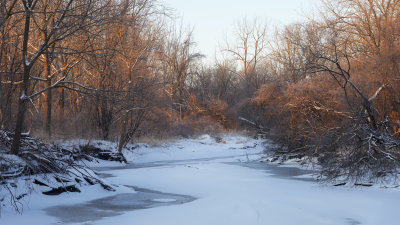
pixel 11 158
pixel 235 195
pixel 27 62
pixel 202 147
pixel 225 193
pixel 164 200
pixel 23 96
pixel 34 205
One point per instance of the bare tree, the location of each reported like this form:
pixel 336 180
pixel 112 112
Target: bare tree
pixel 139 48
pixel 179 57
pixel 69 17
pixel 249 48
pixel 368 144
pixel 291 50
pixel 6 10
pixel 373 24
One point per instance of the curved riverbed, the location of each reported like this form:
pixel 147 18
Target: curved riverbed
pixel 94 210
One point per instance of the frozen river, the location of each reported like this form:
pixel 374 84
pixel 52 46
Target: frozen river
pixel 201 182
pixel 115 205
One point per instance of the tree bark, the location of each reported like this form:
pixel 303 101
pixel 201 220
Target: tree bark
pixel 48 96
pixel 122 139
pixel 25 85
pixel 61 104
pixel 2 15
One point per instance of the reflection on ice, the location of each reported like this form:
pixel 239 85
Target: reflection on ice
pixel 278 171
pixel 115 205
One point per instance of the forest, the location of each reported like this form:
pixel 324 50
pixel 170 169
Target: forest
pixel 325 90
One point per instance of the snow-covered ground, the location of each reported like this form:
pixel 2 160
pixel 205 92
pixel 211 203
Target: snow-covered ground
pixel 224 187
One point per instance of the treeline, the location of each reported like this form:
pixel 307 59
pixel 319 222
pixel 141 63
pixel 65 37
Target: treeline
pixel 327 88
pixel 89 68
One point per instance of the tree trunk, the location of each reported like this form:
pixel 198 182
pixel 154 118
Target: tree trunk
pixel 1 100
pixel 122 139
pixel 171 99
pixel 47 84
pixel 25 85
pixel 48 97
pixel 62 107
pixel 19 125
pixel 2 49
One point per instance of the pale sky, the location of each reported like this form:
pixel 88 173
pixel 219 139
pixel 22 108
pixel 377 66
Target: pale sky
pixel 213 20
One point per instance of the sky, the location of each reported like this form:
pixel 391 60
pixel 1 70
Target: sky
pixel 213 20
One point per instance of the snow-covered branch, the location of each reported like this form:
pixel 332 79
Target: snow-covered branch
pixel 376 93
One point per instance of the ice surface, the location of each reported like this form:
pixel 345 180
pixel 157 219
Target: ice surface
pixel 227 187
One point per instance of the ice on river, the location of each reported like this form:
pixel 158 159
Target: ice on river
pixel 225 187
